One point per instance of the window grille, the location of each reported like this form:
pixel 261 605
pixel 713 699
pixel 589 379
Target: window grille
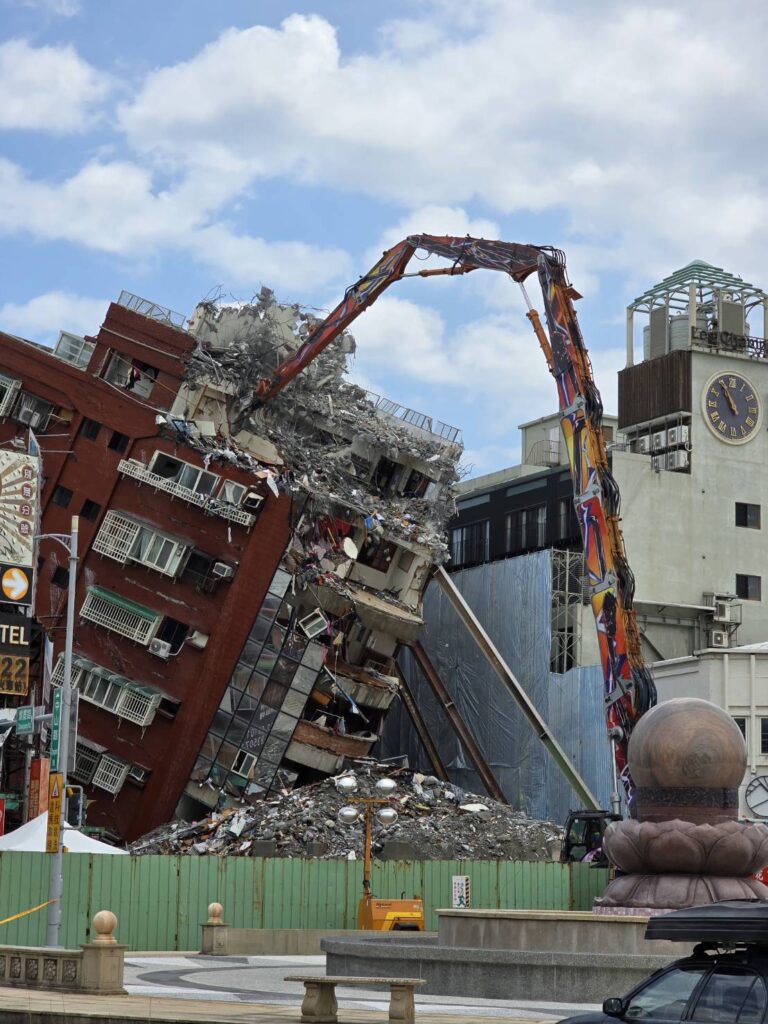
pixel 86 761
pixel 116 537
pixel 33 411
pixel 111 773
pixel 119 615
pixel 9 388
pixel 191 485
pixel 123 697
pixel 71 348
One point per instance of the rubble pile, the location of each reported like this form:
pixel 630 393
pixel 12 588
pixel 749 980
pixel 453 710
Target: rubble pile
pixel 436 821
pixel 320 416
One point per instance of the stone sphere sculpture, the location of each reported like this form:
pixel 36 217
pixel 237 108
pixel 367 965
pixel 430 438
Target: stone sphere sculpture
pixel 687 758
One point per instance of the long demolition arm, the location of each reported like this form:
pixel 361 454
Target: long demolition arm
pixel 629 687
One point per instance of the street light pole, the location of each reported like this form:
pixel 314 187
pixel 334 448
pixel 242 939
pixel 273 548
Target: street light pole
pixel 56 883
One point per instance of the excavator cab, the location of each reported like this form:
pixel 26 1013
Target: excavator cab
pixel 584 836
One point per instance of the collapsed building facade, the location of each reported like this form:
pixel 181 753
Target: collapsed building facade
pixel 246 574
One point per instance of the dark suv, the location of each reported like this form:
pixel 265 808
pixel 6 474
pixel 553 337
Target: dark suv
pixel 724 981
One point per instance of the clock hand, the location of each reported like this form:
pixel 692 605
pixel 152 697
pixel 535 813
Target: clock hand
pixel 731 402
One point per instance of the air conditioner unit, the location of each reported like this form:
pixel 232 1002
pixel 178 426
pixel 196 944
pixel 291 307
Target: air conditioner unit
pixel 197 639
pixel 160 649
pixel 314 624
pixel 658 462
pixel 722 611
pixel 643 444
pixel 719 638
pixel 677 435
pixel 659 440
pixel 222 570
pixel 678 460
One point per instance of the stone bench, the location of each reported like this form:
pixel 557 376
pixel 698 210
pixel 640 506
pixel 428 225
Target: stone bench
pixel 320 996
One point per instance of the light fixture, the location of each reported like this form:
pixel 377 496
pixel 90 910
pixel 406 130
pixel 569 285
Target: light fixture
pixel 386 816
pixel 386 785
pixel 347 815
pixel 346 784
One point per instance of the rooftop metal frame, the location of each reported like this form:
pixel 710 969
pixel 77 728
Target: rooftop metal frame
pixel 710 282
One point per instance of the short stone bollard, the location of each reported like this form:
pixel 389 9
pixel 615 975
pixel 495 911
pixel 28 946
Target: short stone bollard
pixel 214 932
pixel 103 958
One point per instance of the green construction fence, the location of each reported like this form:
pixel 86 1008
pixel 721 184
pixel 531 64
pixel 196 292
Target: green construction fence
pixel 160 901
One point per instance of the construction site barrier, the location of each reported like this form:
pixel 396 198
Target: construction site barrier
pixel 161 901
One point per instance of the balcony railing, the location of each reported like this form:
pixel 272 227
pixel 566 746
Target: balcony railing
pixel 414 419
pixel 724 341
pixel 213 506
pixel 151 309
pixel 543 453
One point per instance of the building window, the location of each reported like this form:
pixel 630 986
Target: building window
pixel 124 539
pixel 123 697
pixel 764 735
pixel 9 388
pixel 567 527
pixel 198 571
pixel 118 442
pixel 748 588
pixel 526 529
pixel 741 722
pixel 60 577
pixel 34 412
pixel 377 553
pixel 86 760
pixel 748 515
pixel 232 491
pixel 61 496
pixel 89 429
pixel 183 473
pixel 111 773
pixel 243 763
pixel 130 374
pixel 173 632
pixel 471 544
pixel 71 348
pixel 90 510
pixel 118 614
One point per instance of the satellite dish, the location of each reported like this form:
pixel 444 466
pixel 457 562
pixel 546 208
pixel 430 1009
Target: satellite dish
pixel 757 796
pixel 350 548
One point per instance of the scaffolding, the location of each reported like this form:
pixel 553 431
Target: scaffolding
pixel 568 595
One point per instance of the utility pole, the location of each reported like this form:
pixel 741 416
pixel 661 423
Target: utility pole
pixel 56 883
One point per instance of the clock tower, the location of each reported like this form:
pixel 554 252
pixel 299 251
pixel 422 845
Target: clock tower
pixel 693 473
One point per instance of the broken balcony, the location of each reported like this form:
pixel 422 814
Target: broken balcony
pixel 212 506
pixel 316 746
pixel 374 610
pixel 367 689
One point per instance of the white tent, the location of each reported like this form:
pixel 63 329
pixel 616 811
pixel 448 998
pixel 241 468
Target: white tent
pixel 31 838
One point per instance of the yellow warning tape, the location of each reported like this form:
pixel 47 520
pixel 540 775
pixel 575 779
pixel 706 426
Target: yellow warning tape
pixel 23 913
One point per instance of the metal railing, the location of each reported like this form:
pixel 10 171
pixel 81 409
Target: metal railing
pixel 151 309
pixel 757 348
pixel 414 419
pixel 543 453
pixel 213 506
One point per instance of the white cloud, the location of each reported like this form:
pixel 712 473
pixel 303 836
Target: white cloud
pixel 47 88
pixel 113 207
pixel 619 116
pixel 41 317
pixel 61 8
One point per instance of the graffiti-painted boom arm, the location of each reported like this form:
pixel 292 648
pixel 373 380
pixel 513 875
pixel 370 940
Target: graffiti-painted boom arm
pixel 629 688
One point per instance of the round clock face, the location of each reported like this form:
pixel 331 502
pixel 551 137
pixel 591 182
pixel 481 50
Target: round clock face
pixel 731 407
pixel 757 795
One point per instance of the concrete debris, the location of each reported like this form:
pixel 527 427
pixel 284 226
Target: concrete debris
pixel 436 821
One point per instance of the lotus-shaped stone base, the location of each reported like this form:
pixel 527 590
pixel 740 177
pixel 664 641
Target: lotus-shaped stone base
pixel 671 892
pixel 728 849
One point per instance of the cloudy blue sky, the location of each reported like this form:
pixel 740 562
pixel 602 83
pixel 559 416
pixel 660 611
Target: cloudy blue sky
pixel 186 148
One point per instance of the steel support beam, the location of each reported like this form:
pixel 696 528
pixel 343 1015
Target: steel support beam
pixel 466 738
pixel 528 708
pixel 421 728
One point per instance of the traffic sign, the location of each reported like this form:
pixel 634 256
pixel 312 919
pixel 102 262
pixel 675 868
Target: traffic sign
pixel 55 797
pixel 25 720
pixel 15 583
pixel 55 730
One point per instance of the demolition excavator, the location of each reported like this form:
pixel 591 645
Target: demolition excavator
pixel 629 686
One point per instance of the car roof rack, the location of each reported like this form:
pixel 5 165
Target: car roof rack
pixel 729 923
